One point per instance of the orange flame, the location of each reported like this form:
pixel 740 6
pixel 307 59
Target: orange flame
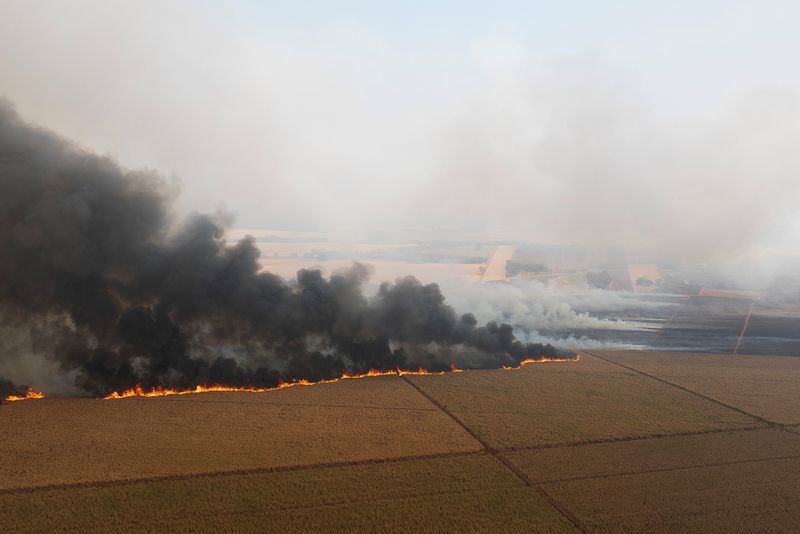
pixel 163 392
pixel 30 394
pixel 527 361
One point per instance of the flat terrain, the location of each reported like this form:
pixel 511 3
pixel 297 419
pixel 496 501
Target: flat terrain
pixel 772 332
pixel 496 266
pixel 718 481
pixel 562 403
pixel 618 441
pixel 765 386
pixel 711 322
pixel 61 441
pixel 466 492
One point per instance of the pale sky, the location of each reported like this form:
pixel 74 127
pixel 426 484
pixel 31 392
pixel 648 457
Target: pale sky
pixel 675 124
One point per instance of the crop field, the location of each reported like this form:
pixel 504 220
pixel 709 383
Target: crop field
pixel 595 444
pixel 597 460
pixel 754 496
pixel 721 481
pixel 765 386
pixel 589 400
pixel 82 440
pixel 496 266
pixel 461 492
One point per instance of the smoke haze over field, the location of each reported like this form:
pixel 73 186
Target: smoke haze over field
pixel 670 128
pixel 96 276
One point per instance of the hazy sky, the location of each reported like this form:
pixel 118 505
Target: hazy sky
pixel 671 124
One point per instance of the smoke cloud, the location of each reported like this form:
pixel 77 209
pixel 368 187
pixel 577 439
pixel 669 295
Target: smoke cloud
pixel 630 126
pixel 531 305
pixel 98 276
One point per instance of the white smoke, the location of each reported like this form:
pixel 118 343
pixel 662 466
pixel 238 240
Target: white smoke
pixel 533 306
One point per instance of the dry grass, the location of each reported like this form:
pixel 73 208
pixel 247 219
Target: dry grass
pixel 766 386
pixel 721 482
pixel 732 480
pixel 744 497
pixel 77 440
pixel 618 458
pixel 587 400
pixel 472 493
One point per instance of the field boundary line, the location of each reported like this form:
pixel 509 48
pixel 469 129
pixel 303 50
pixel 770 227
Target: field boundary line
pixel 687 390
pixel 496 454
pixel 627 439
pixel 450 414
pixel 669 469
pixel 236 472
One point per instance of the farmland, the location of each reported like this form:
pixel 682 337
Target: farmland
pixel 84 440
pixel 531 407
pixel 765 386
pixel 473 491
pixel 617 441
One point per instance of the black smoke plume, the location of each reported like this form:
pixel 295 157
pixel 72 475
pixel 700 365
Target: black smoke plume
pixel 108 285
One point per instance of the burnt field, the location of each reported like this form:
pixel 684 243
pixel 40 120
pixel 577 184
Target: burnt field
pixel 700 323
pixel 617 441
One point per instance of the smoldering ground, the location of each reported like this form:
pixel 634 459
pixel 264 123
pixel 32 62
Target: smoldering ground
pixel 97 276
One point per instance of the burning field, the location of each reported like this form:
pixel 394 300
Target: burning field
pixel 605 442
pixel 108 292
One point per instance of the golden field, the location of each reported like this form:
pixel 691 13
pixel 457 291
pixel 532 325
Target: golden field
pixel 562 403
pixel 554 447
pixel 82 440
pixel 758 496
pixel 468 492
pixel 726 481
pixel 766 386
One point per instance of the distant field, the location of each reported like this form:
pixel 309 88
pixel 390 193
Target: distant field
pixel 644 276
pixel 468 493
pixel 496 266
pixel 710 324
pixel 769 332
pixel 588 400
pixel 727 293
pixel 382 270
pixel 766 386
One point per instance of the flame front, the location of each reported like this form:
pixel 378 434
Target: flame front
pixel 527 361
pixel 138 391
pixel 30 394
